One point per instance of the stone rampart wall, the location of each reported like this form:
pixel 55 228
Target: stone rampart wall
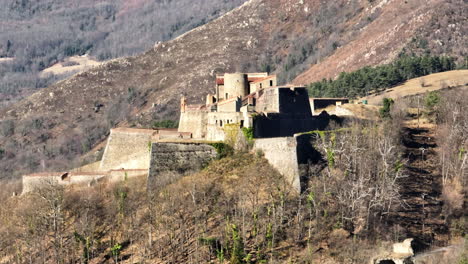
pixel 281 153
pixel 32 183
pixel 294 101
pixel 121 175
pixel 268 101
pixel 292 157
pixel 193 122
pixel 127 149
pixel 178 159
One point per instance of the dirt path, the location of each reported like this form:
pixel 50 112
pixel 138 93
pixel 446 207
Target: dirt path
pixel 421 212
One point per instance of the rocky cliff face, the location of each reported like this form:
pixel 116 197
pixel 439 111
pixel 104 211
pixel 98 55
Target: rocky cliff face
pixel 67 119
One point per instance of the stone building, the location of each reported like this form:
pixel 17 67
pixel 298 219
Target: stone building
pixel 252 100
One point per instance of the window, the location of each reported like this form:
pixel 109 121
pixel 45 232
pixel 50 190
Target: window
pixel 227 95
pixel 271 82
pixel 260 85
pixel 220 123
pixel 242 123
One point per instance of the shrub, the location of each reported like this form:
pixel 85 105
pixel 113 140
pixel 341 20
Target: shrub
pixel 7 128
pixel 248 133
pixel 222 149
pixel 165 124
pixel 385 110
pixel 432 100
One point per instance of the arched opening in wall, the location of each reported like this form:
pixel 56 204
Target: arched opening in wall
pixel 227 95
pixel 227 122
pixel 271 83
pixel 260 85
pixel 220 123
pixel 242 123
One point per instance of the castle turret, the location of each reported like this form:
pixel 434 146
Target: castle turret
pixel 235 84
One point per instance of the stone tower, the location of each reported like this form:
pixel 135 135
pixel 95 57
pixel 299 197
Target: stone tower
pixel 235 84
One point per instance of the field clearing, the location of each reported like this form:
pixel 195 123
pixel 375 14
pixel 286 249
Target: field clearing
pixel 6 59
pixel 73 64
pixel 414 86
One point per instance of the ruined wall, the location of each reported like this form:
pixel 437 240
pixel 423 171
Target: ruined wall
pixel 127 148
pixel 178 159
pixel 281 153
pixel 194 122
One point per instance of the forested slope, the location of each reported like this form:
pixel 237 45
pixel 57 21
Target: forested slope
pixel 38 34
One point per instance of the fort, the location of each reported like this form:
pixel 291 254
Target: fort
pixel 254 101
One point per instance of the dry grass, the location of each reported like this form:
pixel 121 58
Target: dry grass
pixel 82 63
pixel 431 82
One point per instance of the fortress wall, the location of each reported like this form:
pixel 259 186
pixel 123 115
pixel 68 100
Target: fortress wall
pixel 294 101
pixel 121 175
pixel 231 105
pixel 128 149
pixel 286 126
pixel 268 82
pixel 214 129
pixel 88 167
pixel 85 178
pixel 268 101
pixel 194 122
pixel 32 183
pixel 176 159
pixel 281 153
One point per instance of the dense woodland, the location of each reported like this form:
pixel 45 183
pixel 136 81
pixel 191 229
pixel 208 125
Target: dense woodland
pixel 38 34
pixel 375 79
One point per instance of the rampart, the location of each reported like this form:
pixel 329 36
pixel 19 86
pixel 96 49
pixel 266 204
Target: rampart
pixel 36 181
pixel 195 122
pixel 127 148
pixel 281 153
pixel 177 159
pixel 291 156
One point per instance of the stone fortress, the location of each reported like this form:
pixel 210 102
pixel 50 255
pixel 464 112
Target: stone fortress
pixel 275 114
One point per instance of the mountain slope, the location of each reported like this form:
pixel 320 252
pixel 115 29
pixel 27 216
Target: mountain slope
pixel 57 124
pixel 38 34
pixel 434 26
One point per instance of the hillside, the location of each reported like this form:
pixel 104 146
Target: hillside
pixel 411 27
pixel 421 85
pixel 38 34
pixel 369 186
pixel 57 124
